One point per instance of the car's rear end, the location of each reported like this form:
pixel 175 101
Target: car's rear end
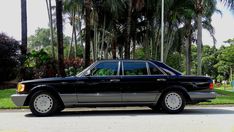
pixel 200 89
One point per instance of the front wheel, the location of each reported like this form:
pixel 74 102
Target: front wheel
pixel 173 102
pixel 43 103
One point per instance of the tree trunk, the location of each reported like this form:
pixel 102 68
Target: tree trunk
pixel 80 35
pixel 199 44
pixel 103 36
pixel 106 52
pixel 113 46
pixel 127 44
pixel 146 41
pixel 187 41
pixel 95 43
pixel 134 46
pixel 157 44
pixel 70 47
pixel 59 23
pixel 75 34
pixel 169 43
pixel 49 11
pixel 87 33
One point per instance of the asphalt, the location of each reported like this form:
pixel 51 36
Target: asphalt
pixel 121 119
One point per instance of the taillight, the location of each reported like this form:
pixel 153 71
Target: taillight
pixel 211 86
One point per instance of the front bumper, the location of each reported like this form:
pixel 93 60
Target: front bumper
pixel 19 99
pixel 196 96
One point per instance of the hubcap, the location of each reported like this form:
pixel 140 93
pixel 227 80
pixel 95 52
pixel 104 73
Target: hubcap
pixel 173 101
pixel 43 103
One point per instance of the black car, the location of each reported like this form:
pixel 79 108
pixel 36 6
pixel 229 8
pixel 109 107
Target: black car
pixel 116 83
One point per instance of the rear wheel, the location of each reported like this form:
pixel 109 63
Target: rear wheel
pixel 173 102
pixel 43 103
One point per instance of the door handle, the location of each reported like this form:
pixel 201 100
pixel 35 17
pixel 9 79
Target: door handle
pixel 161 80
pixel 114 80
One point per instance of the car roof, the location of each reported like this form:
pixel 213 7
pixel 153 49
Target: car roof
pixel 123 60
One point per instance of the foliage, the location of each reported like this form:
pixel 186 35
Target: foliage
pixel 225 61
pixel 9 58
pixel 73 66
pixel 175 60
pixel 139 53
pixel 39 64
pixel 41 40
pixel 209 59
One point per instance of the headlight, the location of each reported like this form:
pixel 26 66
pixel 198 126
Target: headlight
pixel 20 87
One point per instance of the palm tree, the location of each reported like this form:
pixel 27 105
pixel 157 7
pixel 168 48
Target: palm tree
pixel 59 23
pixel 73 8
pixel 49 11
pixel 132 5
pixel 87 33
pixel 199 9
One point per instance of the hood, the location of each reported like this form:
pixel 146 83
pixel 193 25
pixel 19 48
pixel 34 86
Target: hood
pixel 52 79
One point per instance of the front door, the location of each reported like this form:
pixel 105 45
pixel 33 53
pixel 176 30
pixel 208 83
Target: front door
pixel 101 86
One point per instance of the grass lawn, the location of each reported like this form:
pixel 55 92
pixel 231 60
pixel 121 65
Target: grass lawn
pixel 5 99
pixel 223 97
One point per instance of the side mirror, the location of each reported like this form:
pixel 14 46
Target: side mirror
pixel 88 73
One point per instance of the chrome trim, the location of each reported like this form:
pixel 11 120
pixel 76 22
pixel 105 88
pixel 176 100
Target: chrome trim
pixel 202 95
pixel 118 73
pixel 140 97
pixel 148 70
pixel 116 104
pixel 19 99
pixel 98 97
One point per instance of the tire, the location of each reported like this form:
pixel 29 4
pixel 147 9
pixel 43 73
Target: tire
pixel 43 103
pixel 173 102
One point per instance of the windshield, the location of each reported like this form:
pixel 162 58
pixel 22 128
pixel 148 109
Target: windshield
pixel 84 71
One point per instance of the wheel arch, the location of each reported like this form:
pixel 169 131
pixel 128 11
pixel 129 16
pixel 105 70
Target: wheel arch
pixel 46 88
pixel 176 88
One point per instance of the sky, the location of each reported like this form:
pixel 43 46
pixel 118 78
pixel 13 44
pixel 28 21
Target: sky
pixel 37 17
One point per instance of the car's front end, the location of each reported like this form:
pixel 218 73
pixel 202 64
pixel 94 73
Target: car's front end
pixel 20 97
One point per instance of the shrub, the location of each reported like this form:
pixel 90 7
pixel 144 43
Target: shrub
pixel 9 58
pixel 73 66
pixel 39 64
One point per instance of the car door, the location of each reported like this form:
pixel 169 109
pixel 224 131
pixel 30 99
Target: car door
pixel 101 86
pixel 137 83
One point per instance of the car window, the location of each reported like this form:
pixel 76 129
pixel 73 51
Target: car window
pixel 154 70
pixel 135 68
pixel 105 69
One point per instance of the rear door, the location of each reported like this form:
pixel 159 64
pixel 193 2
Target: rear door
pixel 138 85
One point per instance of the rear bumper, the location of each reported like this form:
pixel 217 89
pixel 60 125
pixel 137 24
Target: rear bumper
pixel 19 99
pixel 196 96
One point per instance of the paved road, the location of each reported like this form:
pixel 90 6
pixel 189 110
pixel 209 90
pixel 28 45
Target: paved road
pixel 137 119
